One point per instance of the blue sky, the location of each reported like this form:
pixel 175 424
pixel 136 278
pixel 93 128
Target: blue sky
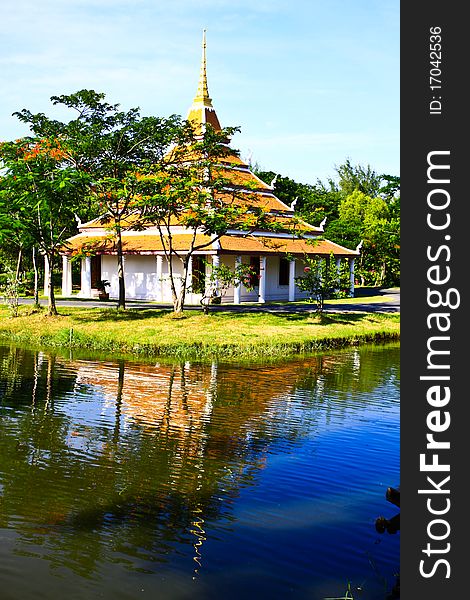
pixel 309 82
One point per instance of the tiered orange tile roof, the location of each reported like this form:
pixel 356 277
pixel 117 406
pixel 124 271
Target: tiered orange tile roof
pixel 232 244
pixel 132 243
pixel 228 244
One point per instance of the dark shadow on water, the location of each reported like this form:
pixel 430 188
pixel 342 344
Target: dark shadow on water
pixel 391 526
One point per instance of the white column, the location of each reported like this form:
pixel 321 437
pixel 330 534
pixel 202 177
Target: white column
pixel 262 279
pixel 47 274
pixel 292 280
pixel 66 276
pixel 159 287
pixel 85 291
pixel 351 277
pixel 237 288
pixel 207 274
pixel 166 287
pixel 216 263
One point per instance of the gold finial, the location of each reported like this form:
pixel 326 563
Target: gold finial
pixel 201 111
pixel 202 94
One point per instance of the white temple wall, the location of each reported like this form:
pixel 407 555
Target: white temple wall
pixel 140 276
pixel 142 282
pixel 299 271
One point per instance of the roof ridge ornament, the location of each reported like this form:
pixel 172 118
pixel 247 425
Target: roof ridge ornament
pixel 273 181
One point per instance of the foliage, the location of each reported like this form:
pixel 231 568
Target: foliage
pixel 111 147
pixel 39 193
pixel 10 291
pixel 322 280
pixel 221 277
pixel 370 219
pixel 357 178
pixel 361 206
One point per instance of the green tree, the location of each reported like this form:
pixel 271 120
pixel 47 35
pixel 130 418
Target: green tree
pixel 390 190
pixel 367 219
pixel 286 189
pixel 221 278
pixel 111 147
pixel 192 187
pixel 358 178
pixel 39 193
pixel 323 280
pixel 361 205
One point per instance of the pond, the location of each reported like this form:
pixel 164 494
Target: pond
pixel 122 479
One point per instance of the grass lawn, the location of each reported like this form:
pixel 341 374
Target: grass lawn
pixel 219 334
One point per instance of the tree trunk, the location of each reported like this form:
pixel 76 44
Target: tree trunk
pixel 178 305
pixel 36 279
pixel 122 284
pixel 51 306
pixel 179 298
pixel 117 419
pixel 18 265
pixel 383 272
pixel 174 292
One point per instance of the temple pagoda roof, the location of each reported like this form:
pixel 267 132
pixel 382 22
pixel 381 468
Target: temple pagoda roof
pixel 243 187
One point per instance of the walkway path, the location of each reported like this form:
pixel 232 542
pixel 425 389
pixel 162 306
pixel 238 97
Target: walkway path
pixel 375 300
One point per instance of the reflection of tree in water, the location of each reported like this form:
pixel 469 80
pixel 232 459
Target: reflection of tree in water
pixel 27 377
pixel 345 380
pixel 144 478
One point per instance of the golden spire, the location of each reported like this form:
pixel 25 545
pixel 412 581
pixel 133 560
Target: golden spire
pixel 202 94
pixel 201 111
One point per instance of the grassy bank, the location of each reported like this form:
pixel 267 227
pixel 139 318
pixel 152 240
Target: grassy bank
pixel 218 335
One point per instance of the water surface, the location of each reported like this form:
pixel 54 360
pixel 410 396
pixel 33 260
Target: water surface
pixel 123 480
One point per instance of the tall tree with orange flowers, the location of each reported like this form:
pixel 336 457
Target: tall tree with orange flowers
pixel 39 193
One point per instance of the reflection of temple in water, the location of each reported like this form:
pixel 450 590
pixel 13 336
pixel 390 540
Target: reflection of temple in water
pixel 181 396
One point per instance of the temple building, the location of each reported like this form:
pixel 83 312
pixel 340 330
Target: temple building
pixel 276 257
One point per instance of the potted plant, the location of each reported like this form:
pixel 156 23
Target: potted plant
pixel 101 287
